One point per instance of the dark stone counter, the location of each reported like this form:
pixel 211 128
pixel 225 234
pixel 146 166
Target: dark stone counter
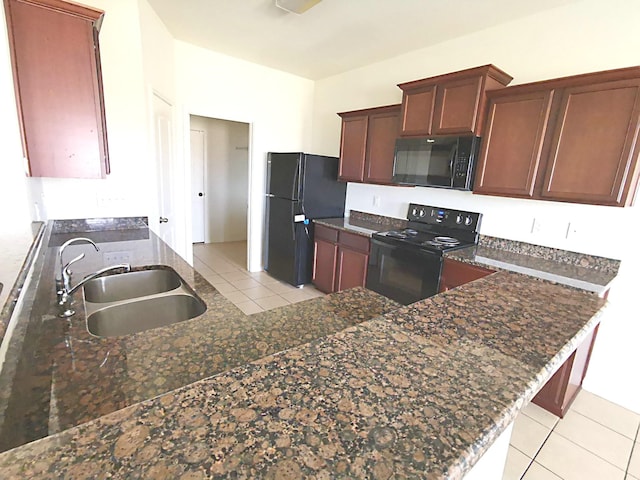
pixel 420 392
pixel 57 375
pixel 586 272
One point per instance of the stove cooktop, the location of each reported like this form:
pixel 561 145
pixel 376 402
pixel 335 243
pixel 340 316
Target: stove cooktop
pixel 435 229
pixel 425 240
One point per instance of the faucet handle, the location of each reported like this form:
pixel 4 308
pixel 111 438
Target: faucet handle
pixel 66 271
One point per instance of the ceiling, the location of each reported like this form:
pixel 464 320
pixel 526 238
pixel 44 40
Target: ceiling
pixel 335 35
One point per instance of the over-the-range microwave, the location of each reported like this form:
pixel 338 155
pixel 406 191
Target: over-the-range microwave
pixel 442 161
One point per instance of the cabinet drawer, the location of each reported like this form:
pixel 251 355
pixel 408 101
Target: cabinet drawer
pixel 355 242
pixel 326 233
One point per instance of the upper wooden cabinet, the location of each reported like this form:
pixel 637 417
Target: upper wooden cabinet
pixel 367 144
pixel 448 104
pixel 58 83
pixel 573 139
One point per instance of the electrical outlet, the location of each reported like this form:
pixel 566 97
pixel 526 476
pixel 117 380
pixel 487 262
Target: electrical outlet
pixel 537 227
pixel 376 200
pixel 573 230
pixel 117 257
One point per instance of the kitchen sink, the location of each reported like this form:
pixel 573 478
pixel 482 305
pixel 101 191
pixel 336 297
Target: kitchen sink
pixel 131 285
pixel 144 314
pixel 133 302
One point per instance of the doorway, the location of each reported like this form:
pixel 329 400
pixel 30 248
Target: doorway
pixel 220 181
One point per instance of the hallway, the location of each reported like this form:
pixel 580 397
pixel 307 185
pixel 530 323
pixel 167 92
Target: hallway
pixel 224 266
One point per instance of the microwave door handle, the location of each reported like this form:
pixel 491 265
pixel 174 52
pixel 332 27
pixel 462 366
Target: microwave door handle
pixel 452 161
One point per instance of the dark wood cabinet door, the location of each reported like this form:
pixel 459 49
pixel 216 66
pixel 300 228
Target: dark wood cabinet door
pixel 353 148
pixel 324 265
pixel 352 268
pixel 455 273
pixel 456 106
pixel 417 111
pixel 58 87
pixel 592 155
pixel 510 153
pixel 557 395
pixel 381 141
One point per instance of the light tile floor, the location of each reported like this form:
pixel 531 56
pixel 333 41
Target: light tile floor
pixel 596 440
pixel 224 266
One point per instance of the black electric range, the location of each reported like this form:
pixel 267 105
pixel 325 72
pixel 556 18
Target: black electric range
pixel 405 265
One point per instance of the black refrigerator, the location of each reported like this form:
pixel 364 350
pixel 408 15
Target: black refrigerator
pixel 300 188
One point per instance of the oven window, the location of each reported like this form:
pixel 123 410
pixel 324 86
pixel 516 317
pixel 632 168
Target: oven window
pixel 401 275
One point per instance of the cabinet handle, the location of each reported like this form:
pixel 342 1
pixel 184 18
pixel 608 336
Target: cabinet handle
pixel 164 220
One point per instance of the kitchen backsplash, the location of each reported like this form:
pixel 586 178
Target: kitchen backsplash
pixel 99 224
pixel 554 254
pixel 387 222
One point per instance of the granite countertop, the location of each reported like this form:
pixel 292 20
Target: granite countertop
pixel 362 223
pixel 58 375
pixel 589 273
pixel 419 392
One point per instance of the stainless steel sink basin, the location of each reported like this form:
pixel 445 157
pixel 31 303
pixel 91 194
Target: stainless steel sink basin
pixel 137 316
pixel 133 302
pixel 131 285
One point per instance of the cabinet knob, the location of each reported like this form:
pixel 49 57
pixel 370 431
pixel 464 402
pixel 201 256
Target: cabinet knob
pixel 164 220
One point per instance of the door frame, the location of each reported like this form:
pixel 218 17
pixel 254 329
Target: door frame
pixel 255 188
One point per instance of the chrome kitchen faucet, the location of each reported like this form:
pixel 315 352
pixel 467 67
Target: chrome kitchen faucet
pixel 64 290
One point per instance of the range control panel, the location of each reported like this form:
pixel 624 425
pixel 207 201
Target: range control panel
pixel 467 221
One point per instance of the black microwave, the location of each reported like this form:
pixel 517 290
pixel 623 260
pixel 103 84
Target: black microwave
pixel 445 162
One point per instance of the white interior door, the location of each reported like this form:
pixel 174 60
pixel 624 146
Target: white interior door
pixel 197 186
pixel 163 143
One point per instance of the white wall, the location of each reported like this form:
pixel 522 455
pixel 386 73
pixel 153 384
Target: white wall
pixel 277 105
pixel 15 236
pixel 578 38
pixel 126 190
pixel 227 178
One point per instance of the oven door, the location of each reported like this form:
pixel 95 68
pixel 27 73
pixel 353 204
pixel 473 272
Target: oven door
pixel 403 274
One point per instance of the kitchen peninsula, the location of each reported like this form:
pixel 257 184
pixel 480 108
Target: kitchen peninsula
pixel 420 391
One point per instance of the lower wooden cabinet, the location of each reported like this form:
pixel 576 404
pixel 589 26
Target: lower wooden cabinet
pixel 560 391
pixel 455 273
pixel 340 259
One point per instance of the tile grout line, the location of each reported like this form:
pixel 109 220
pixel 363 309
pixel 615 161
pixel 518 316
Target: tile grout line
pixel 590 452
pixel 633 447
pixel 540 423
pixel 537 452
pixel 604 425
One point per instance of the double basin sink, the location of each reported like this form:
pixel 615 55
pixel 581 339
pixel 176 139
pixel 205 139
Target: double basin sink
pixel 127 303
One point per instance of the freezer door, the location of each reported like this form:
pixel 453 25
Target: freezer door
pixel 289 252
pixel 284 174
pixel 323 194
